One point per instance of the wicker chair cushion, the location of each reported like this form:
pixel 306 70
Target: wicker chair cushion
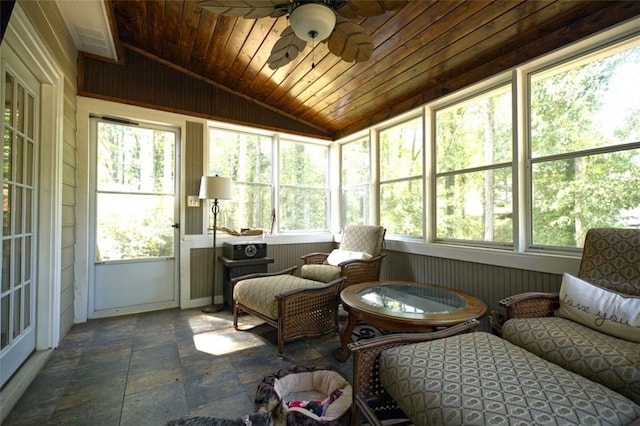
pixel 597 356
pixel 480 379
pixel 260 293
pixel 322 273
pixel 363 238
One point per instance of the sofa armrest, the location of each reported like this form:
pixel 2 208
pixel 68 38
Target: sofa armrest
pixel 524 305
pixel 366 383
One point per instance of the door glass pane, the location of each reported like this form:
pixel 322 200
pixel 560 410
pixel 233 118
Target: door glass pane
pixel 7 149
pixel 29 172
pixel 132 159
pixel 17 300
pixel 135 192
pixel 18 211
pixel 31 111
pixel 8 99
pixel 20 108
pixel 27 260
pixel 27 305
pixel 17 263
pixel 4 321
pixel 134 226
pixel 28 214
pixel 6 209
pixel 6 265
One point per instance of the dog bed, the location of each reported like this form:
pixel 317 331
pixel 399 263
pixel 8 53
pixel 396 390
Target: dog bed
pixel 307 396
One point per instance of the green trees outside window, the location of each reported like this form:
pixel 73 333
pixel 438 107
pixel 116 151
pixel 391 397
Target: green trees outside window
pixel 247 159
pixel 304 187
pixel 585 147
pixel 402 178
pixel 301 181
pixel 356 182
pixel 134 192
pixel 473 152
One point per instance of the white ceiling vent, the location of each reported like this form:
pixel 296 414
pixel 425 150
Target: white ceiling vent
pixel 88 24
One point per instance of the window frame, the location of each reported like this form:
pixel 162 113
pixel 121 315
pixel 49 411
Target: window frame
pixel 422 178
pixel 499 82
pixel 367 185
pixel 277 139
pixel 583 53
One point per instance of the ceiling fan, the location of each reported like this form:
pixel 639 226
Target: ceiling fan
pixel 311 20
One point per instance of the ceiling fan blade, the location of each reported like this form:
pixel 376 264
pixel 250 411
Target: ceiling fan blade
pixel 286 49
pixel 354 8
pixel 250 9
pixel 349 41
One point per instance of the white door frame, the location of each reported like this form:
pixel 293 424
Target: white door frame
pixel 91 106
pixel 23 39
pixel 148 270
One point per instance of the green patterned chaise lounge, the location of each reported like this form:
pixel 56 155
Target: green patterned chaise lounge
pixel 475 379
pixel 566 328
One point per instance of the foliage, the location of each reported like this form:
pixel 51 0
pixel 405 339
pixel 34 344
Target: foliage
pixel 402 178
pixel 135 185
pixel 582 175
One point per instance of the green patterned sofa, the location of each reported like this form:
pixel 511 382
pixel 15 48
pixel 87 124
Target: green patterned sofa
pixel 459 377
pixel 557 327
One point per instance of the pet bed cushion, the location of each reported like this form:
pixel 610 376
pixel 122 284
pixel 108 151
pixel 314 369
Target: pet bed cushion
pixel 313 386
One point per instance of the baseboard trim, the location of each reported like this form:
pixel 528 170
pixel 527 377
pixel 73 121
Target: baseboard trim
pixel 18 384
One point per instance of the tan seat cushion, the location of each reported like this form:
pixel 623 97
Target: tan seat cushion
pixel 480 379
pixel 322 273
pixel 260 293
pixel 605 359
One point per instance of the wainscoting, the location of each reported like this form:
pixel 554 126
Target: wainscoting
pixel 487 282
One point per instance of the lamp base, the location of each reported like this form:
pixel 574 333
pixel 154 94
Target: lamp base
pixel 210 309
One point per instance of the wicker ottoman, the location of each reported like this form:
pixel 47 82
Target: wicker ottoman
pixel 295 386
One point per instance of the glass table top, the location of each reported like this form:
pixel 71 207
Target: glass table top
pixel 407 298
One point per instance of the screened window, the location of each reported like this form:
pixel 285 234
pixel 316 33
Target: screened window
pixel 304 186
pixel 585 147
pixel 247 159
pixel 401 178
pixel 474 197
pixel 356 178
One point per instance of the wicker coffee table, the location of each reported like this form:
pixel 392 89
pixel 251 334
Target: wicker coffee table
pixel 405 306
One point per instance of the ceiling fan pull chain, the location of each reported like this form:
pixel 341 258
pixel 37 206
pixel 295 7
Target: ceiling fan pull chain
pixel 313 53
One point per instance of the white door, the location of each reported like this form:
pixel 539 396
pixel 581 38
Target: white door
pixel 19 92
pixel 135 217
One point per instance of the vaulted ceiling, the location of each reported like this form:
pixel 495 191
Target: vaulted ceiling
pixel 421 51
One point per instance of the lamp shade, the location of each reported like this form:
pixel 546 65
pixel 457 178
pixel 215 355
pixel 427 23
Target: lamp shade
pixel 312 21
pixel 215 188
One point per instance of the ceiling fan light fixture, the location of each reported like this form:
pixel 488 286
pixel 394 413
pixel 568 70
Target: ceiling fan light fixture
pixel 312 21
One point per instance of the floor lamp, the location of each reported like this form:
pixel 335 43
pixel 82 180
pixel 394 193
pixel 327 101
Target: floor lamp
pixel 214 188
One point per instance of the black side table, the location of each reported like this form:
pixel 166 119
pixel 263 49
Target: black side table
pixel 237 268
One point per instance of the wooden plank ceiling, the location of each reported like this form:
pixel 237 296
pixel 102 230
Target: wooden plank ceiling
pixel 421 51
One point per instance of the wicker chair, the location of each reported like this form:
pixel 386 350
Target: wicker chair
pixel 356 238
pixel 295 306
pixel 610 259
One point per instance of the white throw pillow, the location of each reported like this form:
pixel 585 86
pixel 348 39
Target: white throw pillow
pixel 338 256
pixel 598 308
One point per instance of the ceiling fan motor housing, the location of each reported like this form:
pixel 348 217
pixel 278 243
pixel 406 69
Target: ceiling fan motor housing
pixel 312 21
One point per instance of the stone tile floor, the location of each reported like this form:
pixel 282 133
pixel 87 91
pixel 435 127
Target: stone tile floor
pixel 150 368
